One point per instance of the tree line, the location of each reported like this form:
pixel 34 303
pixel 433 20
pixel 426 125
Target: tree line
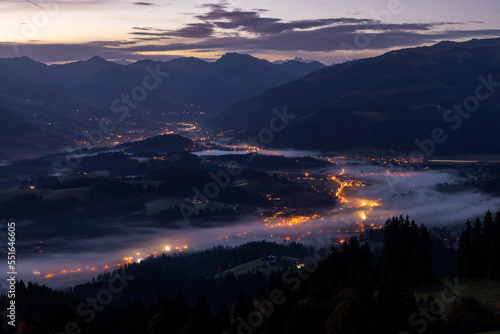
pixel 479 248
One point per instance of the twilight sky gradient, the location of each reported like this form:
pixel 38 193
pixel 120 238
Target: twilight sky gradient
pixel 68 30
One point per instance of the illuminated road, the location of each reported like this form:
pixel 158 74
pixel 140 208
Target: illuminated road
pixel 342 184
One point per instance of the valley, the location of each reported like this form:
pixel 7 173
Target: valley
pixel 125 214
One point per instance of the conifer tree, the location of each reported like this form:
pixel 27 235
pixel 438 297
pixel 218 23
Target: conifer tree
pixel 465 251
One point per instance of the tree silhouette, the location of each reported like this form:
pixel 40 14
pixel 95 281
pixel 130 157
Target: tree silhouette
pixel 479 248
pixel 200 321
pixel 180 312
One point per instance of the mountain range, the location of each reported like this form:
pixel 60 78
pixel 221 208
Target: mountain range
pixel 210 86
pixel 405 100
pixel 53 104
pixel 398 100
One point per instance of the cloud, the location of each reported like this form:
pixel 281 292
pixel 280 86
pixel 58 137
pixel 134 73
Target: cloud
pixel 249 30
pixel 235 29
pixel 356 12
pixel 144 4
pixel 328 39
pixel 253 22
pixel 220 29
pixel 194 30
pixel 144 28
pixel 191 30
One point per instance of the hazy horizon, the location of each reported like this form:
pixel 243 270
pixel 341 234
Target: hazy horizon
pixel 64 31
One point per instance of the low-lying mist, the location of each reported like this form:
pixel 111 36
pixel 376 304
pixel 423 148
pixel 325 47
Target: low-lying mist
pixel 376 194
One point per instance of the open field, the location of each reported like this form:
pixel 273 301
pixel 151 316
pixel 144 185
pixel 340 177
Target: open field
pixel 484 290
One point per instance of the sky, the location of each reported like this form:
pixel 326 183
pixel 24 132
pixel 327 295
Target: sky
pixel 330 31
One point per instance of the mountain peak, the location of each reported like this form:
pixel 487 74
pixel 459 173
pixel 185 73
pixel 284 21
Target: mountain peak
pixel 234 59
pixel 295 60
pixel 122 62
pixel 229 54
pixel 234 55
pixel 23 63
pixel 24 59
pixel 187 60
pixel 97 59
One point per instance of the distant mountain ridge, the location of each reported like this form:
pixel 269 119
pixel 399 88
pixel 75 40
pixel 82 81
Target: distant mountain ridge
pixel 393 101
pixel 62 100
pixel 211 86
